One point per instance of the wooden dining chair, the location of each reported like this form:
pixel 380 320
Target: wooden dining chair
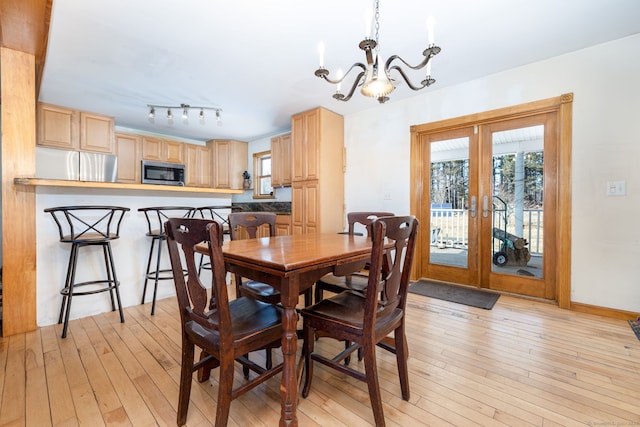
pixel 225 332
pixel 367 321
pixel 245 225
pixel 356 281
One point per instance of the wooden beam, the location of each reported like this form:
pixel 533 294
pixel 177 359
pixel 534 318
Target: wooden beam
pixel 24 27
pixel 17 85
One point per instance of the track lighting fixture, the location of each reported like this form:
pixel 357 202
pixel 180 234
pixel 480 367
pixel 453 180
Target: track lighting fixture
pixel 185 111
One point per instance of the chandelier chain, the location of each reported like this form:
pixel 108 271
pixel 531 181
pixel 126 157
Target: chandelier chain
pixel 377 15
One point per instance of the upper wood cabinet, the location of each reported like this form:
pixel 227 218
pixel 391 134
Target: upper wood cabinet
pixel 152 148
pixel 198 163
pixel 128 150
pixel 317 150
pixel 306 136
pixel 173 151
pixel 96 133
pixel 230 159
pixel 58 127
pixel 163 150
pixel 281 161
pixel 61 127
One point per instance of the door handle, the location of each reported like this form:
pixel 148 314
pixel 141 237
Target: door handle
pixel 485 206
pixel 473 206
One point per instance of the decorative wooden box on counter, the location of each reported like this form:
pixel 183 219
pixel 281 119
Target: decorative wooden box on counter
pixel 120 186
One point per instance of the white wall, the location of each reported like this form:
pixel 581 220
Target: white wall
pixel 605 81
pixel 130 252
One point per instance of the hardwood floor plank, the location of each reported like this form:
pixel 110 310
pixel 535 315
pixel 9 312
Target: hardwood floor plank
pixel 13 397
pixel 60 398
pixel 523 363
pixel 37 399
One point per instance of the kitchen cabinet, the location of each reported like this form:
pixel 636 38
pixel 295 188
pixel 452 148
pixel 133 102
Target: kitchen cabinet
pixel 317 189
pixel 230 159
pixel 96 133
pixel 281 161
pixel 173 151
pixel 57 127
pixel 162 150
pixel 283 225
pixel 61 127
pixel 198 163
pixel 128 150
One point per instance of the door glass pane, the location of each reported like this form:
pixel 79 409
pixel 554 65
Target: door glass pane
pixel 518 183
pixel 449 202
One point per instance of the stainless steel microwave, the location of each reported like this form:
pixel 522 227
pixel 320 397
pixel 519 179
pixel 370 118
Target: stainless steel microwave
pixel 162 173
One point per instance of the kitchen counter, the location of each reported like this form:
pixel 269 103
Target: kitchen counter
pixel 281 208
pixel 120 186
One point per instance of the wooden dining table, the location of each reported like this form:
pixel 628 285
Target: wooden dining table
pixel 292 264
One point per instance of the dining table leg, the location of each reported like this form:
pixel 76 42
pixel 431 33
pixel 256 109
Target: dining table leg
pixel 289 386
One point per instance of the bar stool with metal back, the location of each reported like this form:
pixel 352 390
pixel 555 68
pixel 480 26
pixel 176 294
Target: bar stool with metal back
pixel 218 213
pixel 156 217
pixel 88 226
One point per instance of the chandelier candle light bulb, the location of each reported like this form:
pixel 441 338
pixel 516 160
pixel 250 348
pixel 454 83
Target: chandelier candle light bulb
pixel 374 78
pixel 321 53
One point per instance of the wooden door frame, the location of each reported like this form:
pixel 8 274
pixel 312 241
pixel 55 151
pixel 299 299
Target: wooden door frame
pixel 562 106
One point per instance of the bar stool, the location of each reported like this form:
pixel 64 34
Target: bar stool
pixel 88 226
pixel 217 213
pixel 156 217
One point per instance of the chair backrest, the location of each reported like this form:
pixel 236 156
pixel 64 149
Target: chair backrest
pixel 157 215
pixel 389 275
pixel 363 218
pixel 219 213
pixel 88 223
pixel 183 234
pixel 250 222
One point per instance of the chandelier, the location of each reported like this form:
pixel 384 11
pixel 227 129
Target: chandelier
pixel 375 81
pixel 185 111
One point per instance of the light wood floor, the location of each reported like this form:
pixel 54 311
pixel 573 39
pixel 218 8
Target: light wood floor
pixel 524 363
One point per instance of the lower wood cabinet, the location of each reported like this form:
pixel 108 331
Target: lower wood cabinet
pixel 283 225
pixel 305 207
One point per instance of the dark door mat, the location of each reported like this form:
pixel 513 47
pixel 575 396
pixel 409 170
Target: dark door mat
pixel 457 294
pixel 635 327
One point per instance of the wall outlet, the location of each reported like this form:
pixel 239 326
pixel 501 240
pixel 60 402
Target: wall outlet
pixel 386 195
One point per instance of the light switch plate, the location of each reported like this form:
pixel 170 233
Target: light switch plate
pixel 616 188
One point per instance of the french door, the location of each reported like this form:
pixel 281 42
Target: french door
pixel 488 203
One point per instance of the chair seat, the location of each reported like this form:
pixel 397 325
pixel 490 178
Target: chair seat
pixel 89 238
pixel 337 284
pixel 248 317
pixel 260 291
pixel 348 309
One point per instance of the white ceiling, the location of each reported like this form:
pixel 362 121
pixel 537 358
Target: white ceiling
pixel 255 59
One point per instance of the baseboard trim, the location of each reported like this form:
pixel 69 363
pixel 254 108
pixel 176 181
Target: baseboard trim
pixel 603 311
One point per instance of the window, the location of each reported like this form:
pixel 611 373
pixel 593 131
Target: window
pixel 262 188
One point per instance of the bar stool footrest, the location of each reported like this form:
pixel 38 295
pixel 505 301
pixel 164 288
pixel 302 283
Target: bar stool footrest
pixel 111 285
